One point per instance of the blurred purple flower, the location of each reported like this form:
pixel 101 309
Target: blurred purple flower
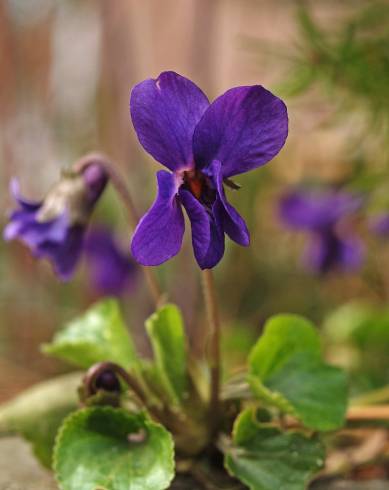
pixel 321 213
pixel 112 270
pixel 203 145
pixel 54 228
pixel 379 225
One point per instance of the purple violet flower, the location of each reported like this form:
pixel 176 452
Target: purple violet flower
pixel 112 271
pixel 322 214
pixel 202 145
pixel 54 228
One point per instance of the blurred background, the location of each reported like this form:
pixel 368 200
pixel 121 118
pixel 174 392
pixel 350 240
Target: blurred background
pixel 66 70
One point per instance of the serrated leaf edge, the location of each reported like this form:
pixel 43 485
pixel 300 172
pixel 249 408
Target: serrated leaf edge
pixel 68 420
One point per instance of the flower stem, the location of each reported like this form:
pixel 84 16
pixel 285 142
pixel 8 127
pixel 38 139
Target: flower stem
pixel 124 194
pixel 96 370
pixel 214 351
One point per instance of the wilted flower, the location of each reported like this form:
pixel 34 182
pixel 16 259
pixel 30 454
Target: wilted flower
pixel 203 145
pixel 112 271
pixel 323 214
pixel 54 228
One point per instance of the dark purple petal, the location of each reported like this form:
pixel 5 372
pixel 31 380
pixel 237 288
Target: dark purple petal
pixel 66 254
pixel 329 252
pixel 317 210
pixel 379 225
pixel 165 113
pixel 243 129
pixel 27 205
pixel 112 271
pixel 207 232
pixel 233 224
pixel 95 177
pixel 158 236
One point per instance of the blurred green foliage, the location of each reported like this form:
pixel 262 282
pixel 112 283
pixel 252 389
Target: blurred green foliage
pixel 351 61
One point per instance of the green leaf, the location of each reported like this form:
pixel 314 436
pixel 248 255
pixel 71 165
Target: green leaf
pixel 166 331
pixel 264 458
pixel 38 412
pixel 98 335
pixel 284 336
pixel 287 371
pixel 103 448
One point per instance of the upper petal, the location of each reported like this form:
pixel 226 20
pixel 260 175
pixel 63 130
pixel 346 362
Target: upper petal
pixel 232 222
pixel 308 209
pixel 158 236
pixel 243 129
pixel 27 205
pixel 207 232
pixel 165 113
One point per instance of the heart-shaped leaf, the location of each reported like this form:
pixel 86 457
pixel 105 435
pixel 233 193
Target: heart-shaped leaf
pixel 103 448
pixel 264 458
pixel 287 371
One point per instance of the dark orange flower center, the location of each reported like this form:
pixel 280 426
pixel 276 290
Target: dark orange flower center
pixel 200 186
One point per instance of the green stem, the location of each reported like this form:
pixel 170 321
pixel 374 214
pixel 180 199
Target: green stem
pixel 214 351
pixel 118 182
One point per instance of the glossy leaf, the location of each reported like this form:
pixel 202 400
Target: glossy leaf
pixel 287 371
pixel 264 458
pixel 112 449
pixel 98 335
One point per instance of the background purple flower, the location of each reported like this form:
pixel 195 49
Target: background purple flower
pixel 321 214
pixel 54 228
pixel 202 144
pixel 112 271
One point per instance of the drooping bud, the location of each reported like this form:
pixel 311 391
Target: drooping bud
pixel 54 228
pixel 107 381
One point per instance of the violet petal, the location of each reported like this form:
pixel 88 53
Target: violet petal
pixel 112 270
pixel 158 236
pixel 233 224
pixel 316 210
pixel 64 255
pixel 328 252
pixel 27 205
pixel 165 113
pixel 243 129
pixel 207 232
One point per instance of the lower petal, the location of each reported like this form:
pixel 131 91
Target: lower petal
pixel 330 252
pixel 351 253
pixel 233 224
pixel 158 236
pixel 65 255
pixel 207 232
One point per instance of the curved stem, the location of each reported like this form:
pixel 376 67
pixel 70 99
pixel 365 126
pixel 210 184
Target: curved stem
pixel 214 352
pixel 124 194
